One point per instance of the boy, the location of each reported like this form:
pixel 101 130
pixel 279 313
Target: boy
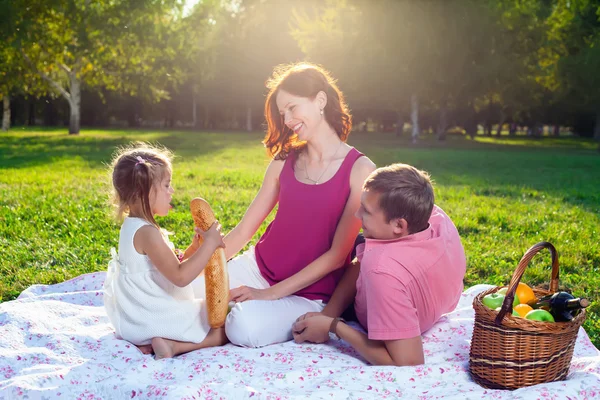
pixel 409 272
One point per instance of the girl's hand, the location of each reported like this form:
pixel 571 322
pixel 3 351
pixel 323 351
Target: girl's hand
pixel 244 293
pixel 212 236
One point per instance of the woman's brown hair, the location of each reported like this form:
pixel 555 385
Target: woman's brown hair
pixel 304 80
pixel 135 170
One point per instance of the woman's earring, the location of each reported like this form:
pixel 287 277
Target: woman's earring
pixel 321 111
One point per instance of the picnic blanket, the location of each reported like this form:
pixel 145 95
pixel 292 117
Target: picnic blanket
pixel 56 342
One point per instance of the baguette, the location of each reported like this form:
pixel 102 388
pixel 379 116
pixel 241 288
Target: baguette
pixel 216 279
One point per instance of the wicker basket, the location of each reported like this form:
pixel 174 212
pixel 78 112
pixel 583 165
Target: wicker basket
pixel 509 352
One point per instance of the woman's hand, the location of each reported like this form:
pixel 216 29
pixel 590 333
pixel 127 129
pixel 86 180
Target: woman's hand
pixel 244 293
pixel 195 245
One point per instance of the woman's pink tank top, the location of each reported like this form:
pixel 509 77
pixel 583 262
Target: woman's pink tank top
pixel 304 227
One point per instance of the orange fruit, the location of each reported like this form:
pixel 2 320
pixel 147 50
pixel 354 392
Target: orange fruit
pixel 523 309
pixel 525 293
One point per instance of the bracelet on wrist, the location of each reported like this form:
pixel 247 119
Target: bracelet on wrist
pixel 333 327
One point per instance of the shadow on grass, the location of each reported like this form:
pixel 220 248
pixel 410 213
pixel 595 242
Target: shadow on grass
pixel 511 143
pixel 571 174
pixel 18 151
pixel 489 169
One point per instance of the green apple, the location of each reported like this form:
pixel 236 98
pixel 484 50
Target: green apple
pixel 516 300
pixel 514 313
pixel 493 300
pixel 539 315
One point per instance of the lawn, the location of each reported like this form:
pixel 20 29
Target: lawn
pixel 504 195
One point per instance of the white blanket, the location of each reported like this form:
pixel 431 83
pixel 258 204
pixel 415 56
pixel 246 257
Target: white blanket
pixel 56 342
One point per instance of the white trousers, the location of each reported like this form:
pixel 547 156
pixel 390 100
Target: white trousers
pixel 257 323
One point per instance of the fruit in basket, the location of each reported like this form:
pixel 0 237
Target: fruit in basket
pixel 525 293
pixel 493 300
pixel 522 309
pixel 539 315
pixel 514 313
pixel 517 299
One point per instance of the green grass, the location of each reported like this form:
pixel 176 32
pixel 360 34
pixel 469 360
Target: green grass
pixel 504 196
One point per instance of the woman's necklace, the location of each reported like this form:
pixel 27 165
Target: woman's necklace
pixel 316 181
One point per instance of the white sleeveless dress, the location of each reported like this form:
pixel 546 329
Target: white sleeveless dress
pixel 142 304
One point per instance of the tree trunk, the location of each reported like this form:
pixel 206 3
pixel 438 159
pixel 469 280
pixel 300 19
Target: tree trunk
pixel 597 129
pixel 399 123
pixel 6 113
pixel 443 122
pixel 488 128
pixel 249 119
pixel 30 120
pixel 194 107
pixel 206 117
pixel 235 122
pixel 414 117
pixel 557 130
pixel 471 128
pixel 74 98
pixel 75 104
pixel 500 126
pixel 488 122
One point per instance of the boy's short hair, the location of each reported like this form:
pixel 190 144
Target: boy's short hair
pixel 404 192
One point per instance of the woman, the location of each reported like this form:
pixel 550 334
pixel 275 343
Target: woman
pixel 317 179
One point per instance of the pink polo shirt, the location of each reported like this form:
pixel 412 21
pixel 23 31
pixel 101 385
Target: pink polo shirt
pixel 406 284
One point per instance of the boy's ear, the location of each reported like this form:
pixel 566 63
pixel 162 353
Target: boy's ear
pixel 400 227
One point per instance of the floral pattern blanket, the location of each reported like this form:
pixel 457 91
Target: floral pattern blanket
pixel 56 343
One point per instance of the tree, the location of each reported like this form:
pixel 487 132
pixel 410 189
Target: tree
pixel 8 79
pixel 253 37
pixel 104 43
pixel 406 53
pixel 369 47
pixel 572 57
pixel 14 75
pixel 200 31
pixel 519 94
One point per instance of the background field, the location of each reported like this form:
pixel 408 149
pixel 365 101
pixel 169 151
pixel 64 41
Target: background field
pixel 504 195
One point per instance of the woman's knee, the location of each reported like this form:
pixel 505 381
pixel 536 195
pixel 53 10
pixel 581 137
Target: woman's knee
pixel 254 324
pixel 241 325
pixel 257 323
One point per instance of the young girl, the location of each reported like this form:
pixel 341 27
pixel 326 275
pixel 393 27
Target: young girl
pixel 148 297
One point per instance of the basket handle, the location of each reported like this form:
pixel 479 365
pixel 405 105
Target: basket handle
pixel 518 274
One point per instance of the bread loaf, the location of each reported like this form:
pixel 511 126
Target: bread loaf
pixel 215 273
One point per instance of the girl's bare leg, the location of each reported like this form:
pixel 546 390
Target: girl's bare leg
pixel 165 348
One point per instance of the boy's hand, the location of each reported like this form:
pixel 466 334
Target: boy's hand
pixel 314 329
pixel 308 315
pixel 212 236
